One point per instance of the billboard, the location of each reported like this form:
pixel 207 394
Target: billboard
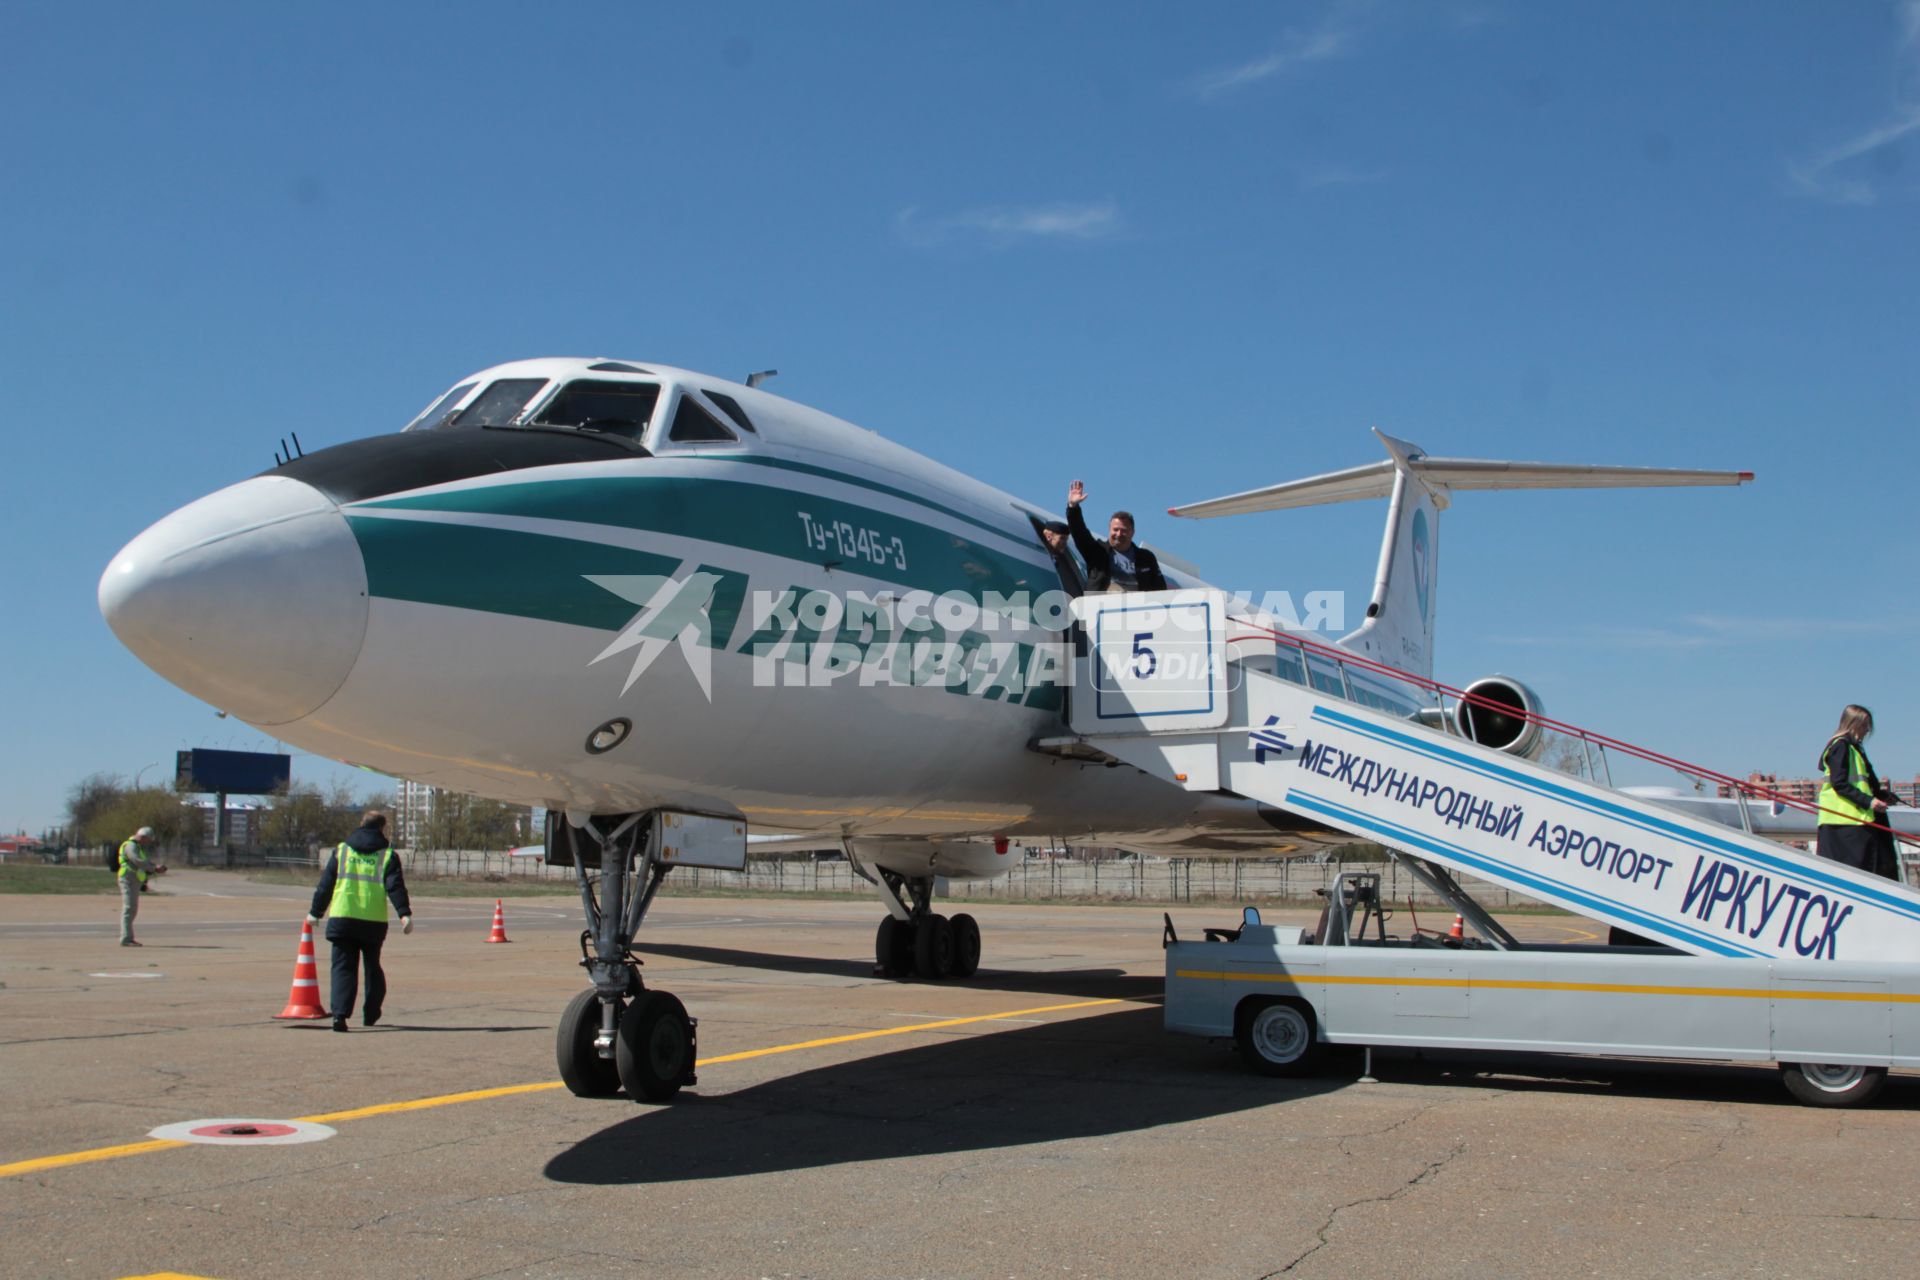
pixel 246 773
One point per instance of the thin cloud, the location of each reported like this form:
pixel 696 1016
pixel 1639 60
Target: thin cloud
pixel 1329 40
pixel 1009 224
pixel 1831 176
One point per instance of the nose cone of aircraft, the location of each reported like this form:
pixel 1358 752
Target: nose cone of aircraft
pixel 254 599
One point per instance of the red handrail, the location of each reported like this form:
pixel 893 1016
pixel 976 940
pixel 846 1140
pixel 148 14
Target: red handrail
pixel 1340 656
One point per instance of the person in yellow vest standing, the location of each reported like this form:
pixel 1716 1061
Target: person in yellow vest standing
pixel 135 867
pixel 361 877
pixel 1852 797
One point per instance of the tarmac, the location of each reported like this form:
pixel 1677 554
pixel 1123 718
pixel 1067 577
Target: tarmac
pixel 1034 1120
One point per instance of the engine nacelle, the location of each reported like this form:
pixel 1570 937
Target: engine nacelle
pixel 1504 730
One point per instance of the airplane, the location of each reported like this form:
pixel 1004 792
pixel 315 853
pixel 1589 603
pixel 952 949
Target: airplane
pixel 670 608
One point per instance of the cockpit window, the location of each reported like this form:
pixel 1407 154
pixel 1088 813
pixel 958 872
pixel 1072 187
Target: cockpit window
pixel 733 410
pixel 437 412
pixel 692 424
pixel 615 408
pixel 499 404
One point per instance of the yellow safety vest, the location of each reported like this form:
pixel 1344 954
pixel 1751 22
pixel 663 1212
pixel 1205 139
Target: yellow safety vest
pixel 359 885
pixel 1835 809
pixel 126 866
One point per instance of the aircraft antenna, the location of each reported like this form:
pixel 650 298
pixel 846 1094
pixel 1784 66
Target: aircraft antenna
pixel 755 379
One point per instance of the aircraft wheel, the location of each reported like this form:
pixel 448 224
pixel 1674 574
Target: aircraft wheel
pixel 1822 1084
pixel 585 1073
pixel 655 1048
pixel 893 948
pixel 1277 1037
pixel 933 947
pixel 966 946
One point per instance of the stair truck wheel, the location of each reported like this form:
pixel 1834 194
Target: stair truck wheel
pixel 655 1048
pixel 933 947
pixel 1277 1037
pixel 585 1073
pixel 966 946
pixel 1820 1084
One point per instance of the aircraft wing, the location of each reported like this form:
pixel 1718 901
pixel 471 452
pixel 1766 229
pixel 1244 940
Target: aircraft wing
pixel 1771 821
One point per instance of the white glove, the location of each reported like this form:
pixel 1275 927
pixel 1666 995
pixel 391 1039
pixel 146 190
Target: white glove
pixel 313 920
pixel 406 924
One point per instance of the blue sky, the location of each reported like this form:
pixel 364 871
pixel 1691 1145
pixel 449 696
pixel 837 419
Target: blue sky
pixel 1175 251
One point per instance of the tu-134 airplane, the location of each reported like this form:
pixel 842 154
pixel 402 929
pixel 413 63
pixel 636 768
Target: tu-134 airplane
pixel 618 591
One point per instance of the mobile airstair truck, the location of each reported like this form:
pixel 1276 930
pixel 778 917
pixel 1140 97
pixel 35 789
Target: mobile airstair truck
pixel 1749 950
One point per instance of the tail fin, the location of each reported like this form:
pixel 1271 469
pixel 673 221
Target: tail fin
pixel 1399 626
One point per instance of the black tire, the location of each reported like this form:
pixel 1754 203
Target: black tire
pixel 1831 1085
pixel 933 947
pixel 966 946
pixel 893 948
pixel 585 1073
pixel 1278 1037
pixel 655 1049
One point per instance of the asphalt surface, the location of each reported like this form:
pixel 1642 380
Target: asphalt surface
pixel 1071 1137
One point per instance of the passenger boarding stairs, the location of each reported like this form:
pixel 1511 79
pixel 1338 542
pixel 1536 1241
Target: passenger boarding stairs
pixel 1191 687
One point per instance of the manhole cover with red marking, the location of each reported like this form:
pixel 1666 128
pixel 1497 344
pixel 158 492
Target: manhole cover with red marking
pixel 243 1132
pixel 260 1129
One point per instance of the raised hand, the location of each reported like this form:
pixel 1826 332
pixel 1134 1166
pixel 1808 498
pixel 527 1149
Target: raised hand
pixel 1076 494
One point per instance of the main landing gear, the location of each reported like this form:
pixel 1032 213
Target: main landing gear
pixel 915 941
pixel 618 1034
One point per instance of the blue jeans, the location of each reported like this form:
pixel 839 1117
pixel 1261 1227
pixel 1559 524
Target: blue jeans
pixel 347 956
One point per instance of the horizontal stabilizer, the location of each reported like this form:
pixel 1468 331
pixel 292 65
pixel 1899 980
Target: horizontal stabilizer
pixel 1442 475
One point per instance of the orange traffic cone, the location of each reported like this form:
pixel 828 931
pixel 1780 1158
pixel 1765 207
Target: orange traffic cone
pixel 304 1000
pixel 1456 932
pixel 499 924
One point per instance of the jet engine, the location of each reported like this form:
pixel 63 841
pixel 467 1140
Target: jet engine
pixel 1504 725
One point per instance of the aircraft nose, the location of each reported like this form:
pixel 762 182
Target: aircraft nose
pixel 254 599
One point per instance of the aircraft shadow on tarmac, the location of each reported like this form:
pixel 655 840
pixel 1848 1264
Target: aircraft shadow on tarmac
pixel 975 1091
pixel 1073 1078
pixel 1089 984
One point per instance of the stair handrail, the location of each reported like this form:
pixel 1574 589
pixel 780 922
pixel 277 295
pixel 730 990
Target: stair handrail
pixel 1742 787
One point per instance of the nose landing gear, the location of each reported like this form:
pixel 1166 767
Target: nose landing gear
pixel 618 1034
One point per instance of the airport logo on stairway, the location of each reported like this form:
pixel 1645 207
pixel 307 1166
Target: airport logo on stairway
pixel 1267 738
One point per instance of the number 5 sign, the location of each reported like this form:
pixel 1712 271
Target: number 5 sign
pixel 1157 657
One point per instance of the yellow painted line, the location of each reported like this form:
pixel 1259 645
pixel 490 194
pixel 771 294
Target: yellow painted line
pixel 894 1031
pixel 164 1275
pixel 423 1104
pixel 87 1157
pixel 1505 984
pixel 44 1163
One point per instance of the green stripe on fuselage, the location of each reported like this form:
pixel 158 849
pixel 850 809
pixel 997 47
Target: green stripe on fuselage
pixel 499 570
pixel 753 517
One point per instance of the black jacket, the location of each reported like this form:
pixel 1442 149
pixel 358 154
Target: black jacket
pixel 1099 558
pixel 364 840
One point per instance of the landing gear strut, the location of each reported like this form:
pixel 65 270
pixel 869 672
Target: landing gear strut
pixel 618 1034
pixel 913 939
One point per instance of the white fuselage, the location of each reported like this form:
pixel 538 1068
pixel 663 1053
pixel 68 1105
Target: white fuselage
pixel 502 617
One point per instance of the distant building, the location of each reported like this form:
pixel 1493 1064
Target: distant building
pixel 11 846
pixel 1807 790
pixel 412 808
pixel 243 823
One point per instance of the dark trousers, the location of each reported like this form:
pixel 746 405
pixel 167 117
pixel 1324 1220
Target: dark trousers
pixel 347 956
pixel 1860 847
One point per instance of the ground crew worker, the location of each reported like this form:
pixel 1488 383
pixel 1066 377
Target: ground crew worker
pixel 135 867
pixel 361 877
pixel 1852 798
